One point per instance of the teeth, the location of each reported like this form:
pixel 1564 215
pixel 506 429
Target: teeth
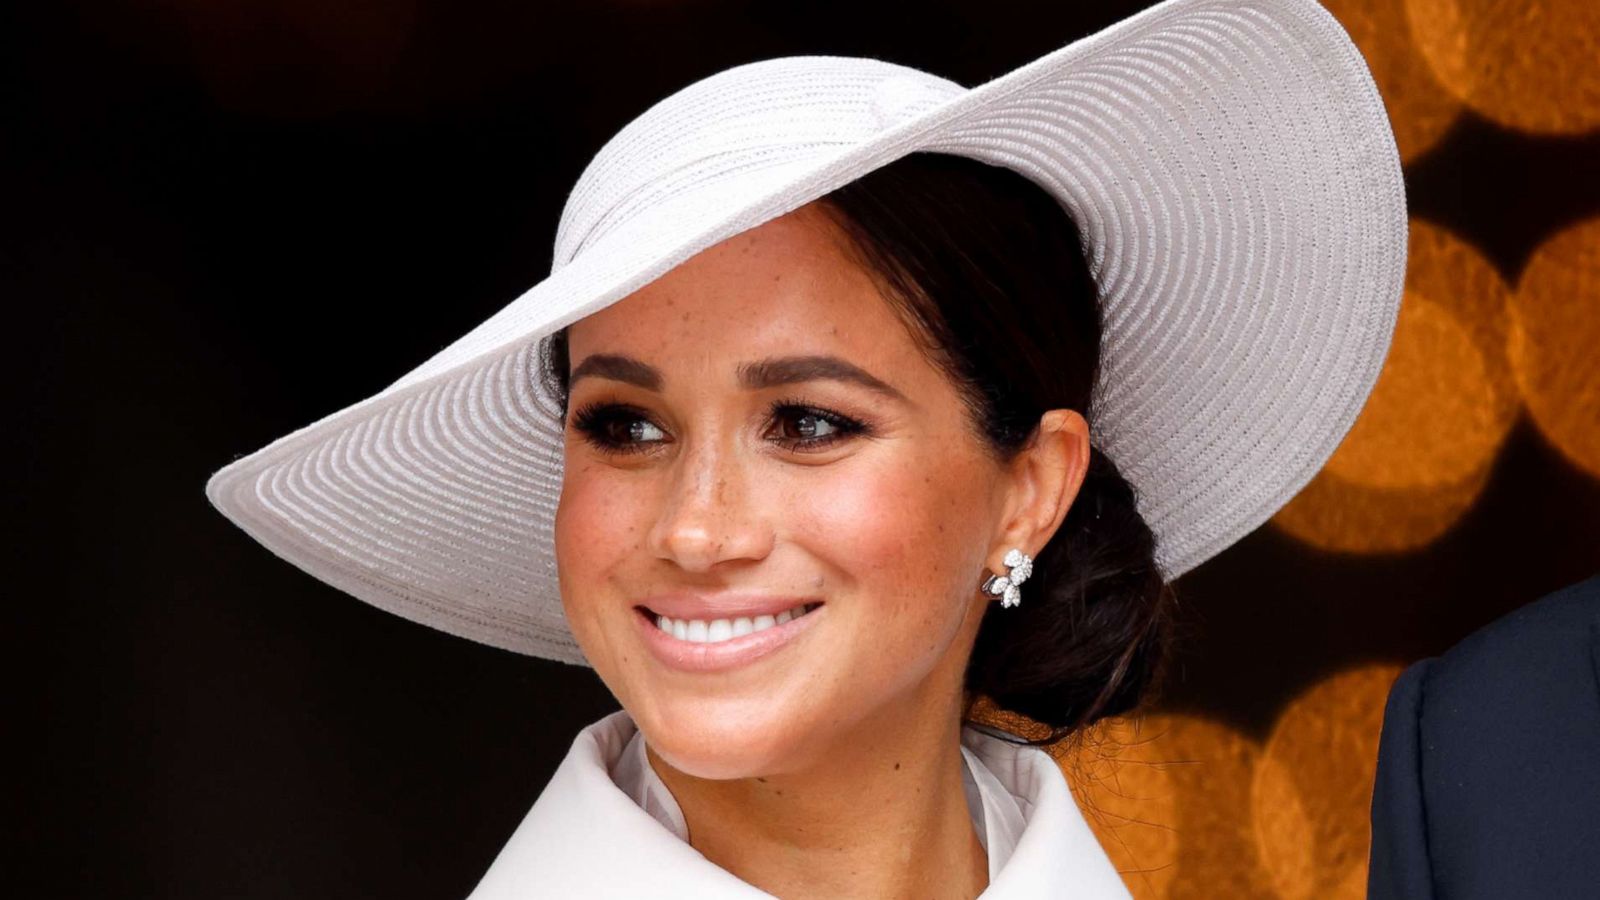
pixel 716 631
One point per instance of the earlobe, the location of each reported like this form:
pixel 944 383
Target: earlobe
pixel 1019 566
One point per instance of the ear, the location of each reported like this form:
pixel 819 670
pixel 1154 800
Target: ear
pixel 1044 480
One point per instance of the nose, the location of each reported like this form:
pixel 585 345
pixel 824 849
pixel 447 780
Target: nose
pixel 710 514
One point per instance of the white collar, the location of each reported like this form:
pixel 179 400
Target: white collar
pixel 587 835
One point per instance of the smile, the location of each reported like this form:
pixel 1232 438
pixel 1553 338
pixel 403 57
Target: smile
pixel 711 645
pixel 715 631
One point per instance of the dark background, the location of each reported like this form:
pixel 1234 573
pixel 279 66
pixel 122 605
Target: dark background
pixel 226 220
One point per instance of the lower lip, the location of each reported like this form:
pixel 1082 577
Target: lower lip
pixel 689 656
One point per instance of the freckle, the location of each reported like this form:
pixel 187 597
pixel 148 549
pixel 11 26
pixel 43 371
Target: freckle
pixel 780 793
pixel 760 779
pixel 897 765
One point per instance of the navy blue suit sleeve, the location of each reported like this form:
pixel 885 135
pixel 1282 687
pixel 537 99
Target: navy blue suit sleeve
pixel 1399 862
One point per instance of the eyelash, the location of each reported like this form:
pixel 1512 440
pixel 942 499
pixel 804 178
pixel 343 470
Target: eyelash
pixel 593 420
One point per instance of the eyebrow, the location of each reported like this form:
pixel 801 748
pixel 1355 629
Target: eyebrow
pixel 753 376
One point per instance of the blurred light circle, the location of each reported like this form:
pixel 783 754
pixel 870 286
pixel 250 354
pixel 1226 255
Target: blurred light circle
pixel 1553 341
pixel 1351 518
pixel 1284 834
pixel 1129 801
pixel 1526 65
pixel 1429 420
pixel 1312 794
pixel 1168 795
pixel 1419 454
pixel 1419 108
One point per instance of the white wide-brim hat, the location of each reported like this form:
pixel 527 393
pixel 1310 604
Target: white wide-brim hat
pixel 1236 182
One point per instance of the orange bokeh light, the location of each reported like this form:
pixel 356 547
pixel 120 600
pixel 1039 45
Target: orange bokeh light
pixel 1312 795
pixel 1420 452
pixel 1525 65
pixel 1555 328
pixel 1188 808
pixel 1168 797
pixel 1419 108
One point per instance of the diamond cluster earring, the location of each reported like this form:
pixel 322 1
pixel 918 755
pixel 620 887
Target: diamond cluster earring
pixel 1019 566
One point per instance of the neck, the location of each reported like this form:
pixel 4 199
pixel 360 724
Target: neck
pixel 879 813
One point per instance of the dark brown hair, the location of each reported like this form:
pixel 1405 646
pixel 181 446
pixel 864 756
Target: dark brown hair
pixel 988 272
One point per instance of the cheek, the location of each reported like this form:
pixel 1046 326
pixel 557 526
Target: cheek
pixel 905 536
pixel 597 525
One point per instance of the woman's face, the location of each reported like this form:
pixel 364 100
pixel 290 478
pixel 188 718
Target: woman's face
pixel 755 431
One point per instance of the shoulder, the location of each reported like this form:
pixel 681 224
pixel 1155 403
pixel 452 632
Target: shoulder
pixel 1517 698
pixel 1535 668
pixel 1548 646
pixel 1487 766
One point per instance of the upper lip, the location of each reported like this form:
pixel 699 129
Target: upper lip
pixel 709 607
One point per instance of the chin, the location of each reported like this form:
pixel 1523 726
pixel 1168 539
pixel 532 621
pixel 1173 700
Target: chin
pixel 713 741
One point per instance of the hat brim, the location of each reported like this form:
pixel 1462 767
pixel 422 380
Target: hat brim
pixel 1236 180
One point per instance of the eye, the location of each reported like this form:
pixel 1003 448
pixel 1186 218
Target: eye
pixel 617 428
pixel 620 428
pixel 805 428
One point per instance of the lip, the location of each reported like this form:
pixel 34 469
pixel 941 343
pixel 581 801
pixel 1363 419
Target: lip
pixel 689 656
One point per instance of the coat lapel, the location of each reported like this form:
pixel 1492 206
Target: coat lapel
pixel 1057 855
pixel 584 837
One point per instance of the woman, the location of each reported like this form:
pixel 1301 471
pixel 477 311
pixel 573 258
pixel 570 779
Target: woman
pixel 817 432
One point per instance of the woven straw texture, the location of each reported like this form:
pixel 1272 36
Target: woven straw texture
pixel 1237 183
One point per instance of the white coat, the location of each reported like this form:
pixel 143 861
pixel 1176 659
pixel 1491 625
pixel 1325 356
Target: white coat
pixel 587 837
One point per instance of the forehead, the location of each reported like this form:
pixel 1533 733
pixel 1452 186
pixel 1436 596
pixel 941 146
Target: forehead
pixel 785 286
